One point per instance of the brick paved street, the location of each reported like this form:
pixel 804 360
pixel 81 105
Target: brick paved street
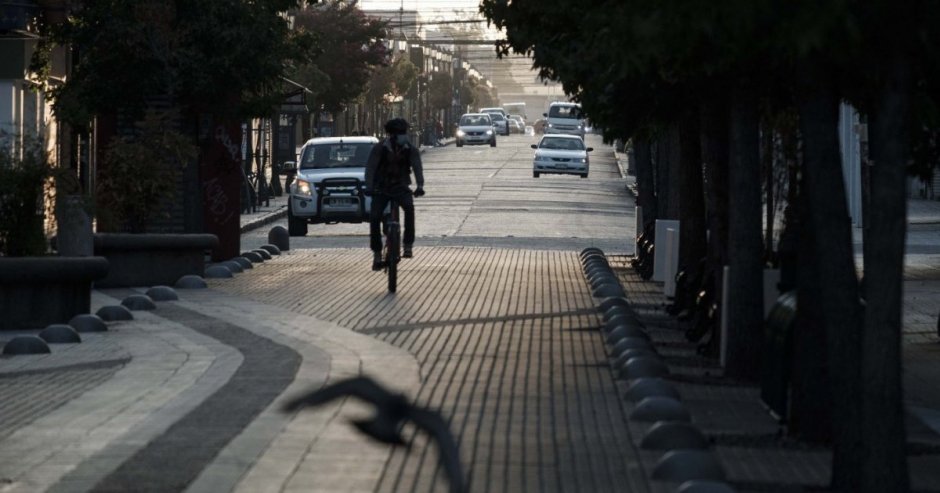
pixel 508 348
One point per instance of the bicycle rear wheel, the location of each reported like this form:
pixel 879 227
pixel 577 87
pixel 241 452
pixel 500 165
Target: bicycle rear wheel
pixel 394 248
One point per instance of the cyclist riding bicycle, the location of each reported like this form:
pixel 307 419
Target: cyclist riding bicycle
pixel 388 176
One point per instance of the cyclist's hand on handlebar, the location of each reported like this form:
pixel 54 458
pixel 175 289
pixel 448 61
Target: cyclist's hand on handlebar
pixel 419 192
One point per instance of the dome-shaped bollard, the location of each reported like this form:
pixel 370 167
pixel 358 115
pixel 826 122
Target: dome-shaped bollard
pixel 243 262
pixel 704 486
pixel 60 334
pixel 253 256
pixel 233 266
pixel 626 343
pixel 218 271
pixel 622 321
pixel 605 290
pixel 273 250
pixel 591 250
pixel 279 237
pixel 688 465
pixel 643 366
pixel 26 345
pixel 669 435
pixel 114 313
pixel 609 303
pixel 192 282
pixel 622 331
pixel 641 388
pixel 87 322
pixel 598 275
pixel 655 408
pixel 625 315
pixel 264 253
pixel 619 363
pixel 162 293
pixel 137 302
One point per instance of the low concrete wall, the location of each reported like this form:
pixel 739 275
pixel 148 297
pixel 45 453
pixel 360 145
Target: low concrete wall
pixel 38 291
pixel 152 259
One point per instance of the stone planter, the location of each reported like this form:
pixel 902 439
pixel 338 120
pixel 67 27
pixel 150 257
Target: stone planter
pixel 38 291
pixel 152 259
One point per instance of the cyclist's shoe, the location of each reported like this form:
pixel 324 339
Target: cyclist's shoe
pixel 407 253
pixel 376 260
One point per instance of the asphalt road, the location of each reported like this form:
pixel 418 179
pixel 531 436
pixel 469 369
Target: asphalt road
pixel 483 196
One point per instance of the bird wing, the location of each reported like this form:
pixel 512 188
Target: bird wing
pixel 449 453
pixel 362 387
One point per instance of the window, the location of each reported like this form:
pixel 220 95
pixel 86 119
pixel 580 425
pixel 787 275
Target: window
pixel 475 121
pixel 336 156
pixel 559 143
pixel 572 112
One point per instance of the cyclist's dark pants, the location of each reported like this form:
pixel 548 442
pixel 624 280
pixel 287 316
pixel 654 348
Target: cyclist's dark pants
pixel 379 201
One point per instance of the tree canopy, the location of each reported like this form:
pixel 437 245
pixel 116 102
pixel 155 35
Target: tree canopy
pixel 224 56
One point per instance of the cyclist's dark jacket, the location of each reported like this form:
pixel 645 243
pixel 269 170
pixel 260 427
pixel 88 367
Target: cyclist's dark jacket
pixel 380 156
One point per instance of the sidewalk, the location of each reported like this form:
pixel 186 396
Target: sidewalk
pixel 750 443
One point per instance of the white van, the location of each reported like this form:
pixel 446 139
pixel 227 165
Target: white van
pixel 564 118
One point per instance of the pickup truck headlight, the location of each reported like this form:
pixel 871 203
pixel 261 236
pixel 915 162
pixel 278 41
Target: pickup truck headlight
pixel 578 160
pixel 302 187
pixel 541 158
pixel 460 133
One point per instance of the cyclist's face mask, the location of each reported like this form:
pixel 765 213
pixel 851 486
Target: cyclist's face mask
pixel 401 139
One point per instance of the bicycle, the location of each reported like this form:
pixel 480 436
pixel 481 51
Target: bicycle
pixel 391 228
pixel 392 254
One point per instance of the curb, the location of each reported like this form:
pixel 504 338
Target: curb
pixel 661 427
pixel 623 173
pixel 263 220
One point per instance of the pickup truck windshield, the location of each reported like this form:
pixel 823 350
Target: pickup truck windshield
pixel 572 112
pixel 335 156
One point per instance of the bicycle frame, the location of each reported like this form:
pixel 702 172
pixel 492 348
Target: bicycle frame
pixel 392 229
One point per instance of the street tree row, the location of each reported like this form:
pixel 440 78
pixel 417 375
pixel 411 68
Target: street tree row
pixel 697 88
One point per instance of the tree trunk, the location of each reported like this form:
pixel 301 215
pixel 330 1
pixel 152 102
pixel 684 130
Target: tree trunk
pixel 692 247
pixel 667 173
pixel 810 413
pixel 885 461
pixel 645 182
pixel 746 282
pixel 714 129
pixel 824 193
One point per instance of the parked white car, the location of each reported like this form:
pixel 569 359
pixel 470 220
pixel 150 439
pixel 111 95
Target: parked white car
pixel 475 128
pixel 561 154
pixel 329 182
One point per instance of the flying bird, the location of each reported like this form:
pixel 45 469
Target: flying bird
pixel 392 411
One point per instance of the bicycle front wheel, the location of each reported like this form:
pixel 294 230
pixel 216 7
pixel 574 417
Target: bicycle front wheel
pixel 394 248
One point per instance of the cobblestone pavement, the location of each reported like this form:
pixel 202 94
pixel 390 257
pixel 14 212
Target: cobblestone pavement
pixel 508 348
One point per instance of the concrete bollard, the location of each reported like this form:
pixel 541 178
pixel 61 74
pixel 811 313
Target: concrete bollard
pixel 279 237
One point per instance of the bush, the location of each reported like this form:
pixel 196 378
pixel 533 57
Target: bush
pixel 22 183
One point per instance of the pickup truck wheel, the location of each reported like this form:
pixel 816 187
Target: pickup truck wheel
pixel 295 227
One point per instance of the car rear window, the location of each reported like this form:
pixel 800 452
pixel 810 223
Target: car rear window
pixel 335 156
pixel 561 143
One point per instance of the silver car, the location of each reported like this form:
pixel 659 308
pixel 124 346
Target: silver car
pixel 476 128
pixel 328 183
pixel 561 154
